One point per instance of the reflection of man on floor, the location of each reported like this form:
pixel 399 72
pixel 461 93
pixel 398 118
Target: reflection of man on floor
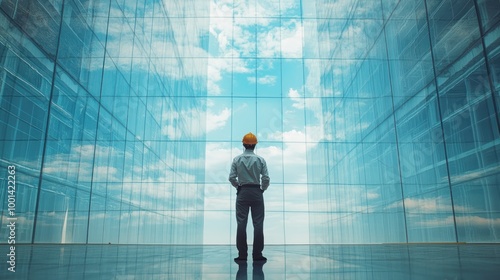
pixel 258 274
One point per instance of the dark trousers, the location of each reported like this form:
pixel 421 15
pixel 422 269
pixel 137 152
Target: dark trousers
pixel 250 198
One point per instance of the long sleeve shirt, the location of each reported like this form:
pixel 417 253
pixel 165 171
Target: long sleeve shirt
pixel 249 168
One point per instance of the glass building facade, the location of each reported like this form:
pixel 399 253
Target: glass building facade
pixel 378 119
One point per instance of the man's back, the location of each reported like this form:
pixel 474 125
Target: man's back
pixel 248 168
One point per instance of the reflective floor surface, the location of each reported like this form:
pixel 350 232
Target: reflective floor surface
pixel 392 261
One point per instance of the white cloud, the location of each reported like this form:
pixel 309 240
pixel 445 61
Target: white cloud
pixel 218 157
pixel 292 136
pixel 469 176
pixel 236 38
pixel 215 67
pixel 471 220
pixel 217 120
pixel 372 195
pixel 292 40
pixel 201 121
pixel 281 39
pixel 468 221
pixel 79 163
pixel 310 136
pixel 218 66
pixel 266 80
pixel 429 205
pixel 176 47
pixel 298 101
pixel 157 182
pixel 424 205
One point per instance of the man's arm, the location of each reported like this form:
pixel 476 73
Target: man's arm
pixel 233 174
pixel 264 176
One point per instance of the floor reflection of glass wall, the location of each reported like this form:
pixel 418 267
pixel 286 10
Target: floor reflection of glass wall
pixel 102 116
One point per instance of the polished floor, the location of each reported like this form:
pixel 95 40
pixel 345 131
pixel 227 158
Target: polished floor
pixel 391 261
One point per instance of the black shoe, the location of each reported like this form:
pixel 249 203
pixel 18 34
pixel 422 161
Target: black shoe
pixel 240 259
pixel 260 259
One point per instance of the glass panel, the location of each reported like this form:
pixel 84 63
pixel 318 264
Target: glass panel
pixel 453 29
pixel 489 11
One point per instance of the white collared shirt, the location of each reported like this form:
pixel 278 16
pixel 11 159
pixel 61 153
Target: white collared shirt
pixel 248 168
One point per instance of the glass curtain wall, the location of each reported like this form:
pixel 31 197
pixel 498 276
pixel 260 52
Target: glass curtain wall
pixel 410 105
pixel 102 118
pixel 378 119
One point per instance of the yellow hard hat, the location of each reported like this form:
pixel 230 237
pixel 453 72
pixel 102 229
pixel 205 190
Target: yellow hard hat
pixel 250 139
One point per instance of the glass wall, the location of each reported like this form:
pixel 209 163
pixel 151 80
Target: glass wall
pixel 378 120
pixel 410 107
pixel 102 117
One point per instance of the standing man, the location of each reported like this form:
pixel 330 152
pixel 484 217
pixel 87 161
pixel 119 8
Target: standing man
pixel 250 177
